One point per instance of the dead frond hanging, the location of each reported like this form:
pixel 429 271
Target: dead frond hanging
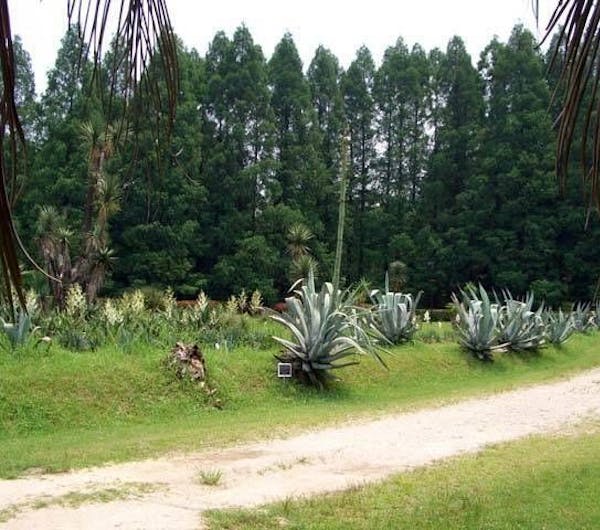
pixel 143 32
pixel 577 56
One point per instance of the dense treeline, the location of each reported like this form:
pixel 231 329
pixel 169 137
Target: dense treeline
pixel 450 174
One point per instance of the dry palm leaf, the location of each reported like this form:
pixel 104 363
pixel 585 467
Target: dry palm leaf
pixel 578 24
pixel 143 32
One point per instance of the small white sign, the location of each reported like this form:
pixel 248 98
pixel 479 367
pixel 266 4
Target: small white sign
pixel 284 370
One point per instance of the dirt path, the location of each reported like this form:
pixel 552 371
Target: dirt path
pixel 167 493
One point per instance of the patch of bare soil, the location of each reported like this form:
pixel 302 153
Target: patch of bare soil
pixel 326 460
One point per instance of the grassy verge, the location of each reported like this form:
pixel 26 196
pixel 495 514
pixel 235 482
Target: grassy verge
pixel 549 483
pixel 61 410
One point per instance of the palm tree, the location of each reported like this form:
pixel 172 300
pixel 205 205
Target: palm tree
pixel 100 143
pixel 143 28
pixel 54 239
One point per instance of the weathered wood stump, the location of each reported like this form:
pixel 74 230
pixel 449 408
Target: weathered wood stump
pixel 188 361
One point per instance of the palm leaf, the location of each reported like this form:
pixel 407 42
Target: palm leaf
pixel 577 51
pixel 143 29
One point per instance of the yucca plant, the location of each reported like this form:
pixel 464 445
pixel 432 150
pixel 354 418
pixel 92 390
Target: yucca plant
pixel 477 323
pixel 395 314
pixel 558 326
pixel 582 317
pixel 520 327
pixel 326 329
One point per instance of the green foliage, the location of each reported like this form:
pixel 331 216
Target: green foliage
pixel 134 321
pixel 477 323
pixel 437 149
pixel 325 329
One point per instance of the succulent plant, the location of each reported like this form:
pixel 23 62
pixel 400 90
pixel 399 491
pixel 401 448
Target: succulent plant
pixel 395 314
pixel 326 329
pixel 477 323
pixel 520 327
pixel 582 317
pixel 558 326
pixel 17 332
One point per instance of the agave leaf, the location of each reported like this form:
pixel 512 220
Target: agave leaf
pixel 344 365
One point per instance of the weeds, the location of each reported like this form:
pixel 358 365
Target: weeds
pixel 211 477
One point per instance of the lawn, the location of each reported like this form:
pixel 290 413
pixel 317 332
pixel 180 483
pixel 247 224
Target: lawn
pixel 62 410
pixel 549 483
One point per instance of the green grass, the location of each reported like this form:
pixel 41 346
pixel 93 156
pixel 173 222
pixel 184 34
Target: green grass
pixel 61 410
pixel 210 477
pixel 549 483
pixel 74 499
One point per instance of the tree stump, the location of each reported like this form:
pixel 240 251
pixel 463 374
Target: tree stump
pixel 188 362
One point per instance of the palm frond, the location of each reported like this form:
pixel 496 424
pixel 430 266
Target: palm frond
pixel 143 31
pixel 577 52
pixel 9 123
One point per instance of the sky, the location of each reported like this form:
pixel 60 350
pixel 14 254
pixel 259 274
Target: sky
pixel 341 26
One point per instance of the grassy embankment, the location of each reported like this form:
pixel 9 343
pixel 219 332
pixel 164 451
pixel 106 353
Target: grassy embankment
pixel 62 410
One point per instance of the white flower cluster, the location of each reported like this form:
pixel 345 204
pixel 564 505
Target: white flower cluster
pixel 168 302
pixel 75 302
pixel 133 303
pixel 112 314
pixel 31 302
pixel 242 301
pixel 232 305
pixel 256 302
pixel 202 302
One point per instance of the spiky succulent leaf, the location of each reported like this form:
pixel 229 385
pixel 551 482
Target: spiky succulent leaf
pixel 558 326
pixel 325 328
pixel 582 317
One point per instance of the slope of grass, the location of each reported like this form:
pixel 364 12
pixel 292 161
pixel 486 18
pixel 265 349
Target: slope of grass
pixel 61 409
pixel 549 483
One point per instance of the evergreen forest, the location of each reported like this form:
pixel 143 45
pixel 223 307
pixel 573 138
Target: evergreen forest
pixel 448 161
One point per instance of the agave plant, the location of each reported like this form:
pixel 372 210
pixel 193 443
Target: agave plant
pixel 20 330
pixel 17 332
pixel 395 314
pixel 520 327
pixel 477 323
pixel 558 326
pixel 582 317
pixel 325 329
